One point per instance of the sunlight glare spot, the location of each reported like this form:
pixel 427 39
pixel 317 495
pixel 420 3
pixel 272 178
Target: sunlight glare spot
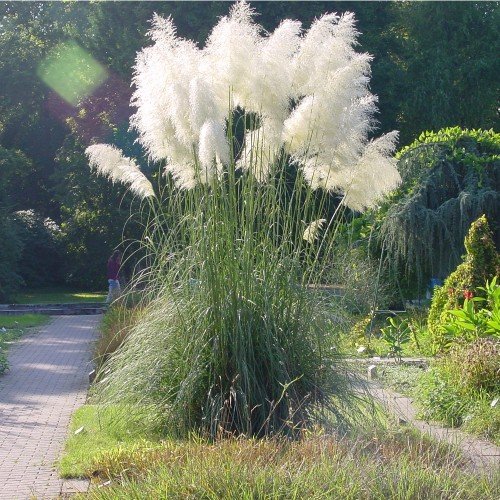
pixel 72 72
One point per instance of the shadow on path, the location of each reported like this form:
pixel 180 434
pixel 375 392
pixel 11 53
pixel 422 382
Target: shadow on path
pixel 46 381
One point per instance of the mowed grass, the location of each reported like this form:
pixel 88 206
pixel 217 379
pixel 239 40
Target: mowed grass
pixel 99 429
pixel 59 296
pixel 22 321
pixel 379 462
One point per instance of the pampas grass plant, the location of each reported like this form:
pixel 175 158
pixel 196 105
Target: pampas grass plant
pixel 256 132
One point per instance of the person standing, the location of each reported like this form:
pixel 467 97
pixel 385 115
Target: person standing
pixel 114 264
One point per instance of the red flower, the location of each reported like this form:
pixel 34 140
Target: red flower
pixel 468 294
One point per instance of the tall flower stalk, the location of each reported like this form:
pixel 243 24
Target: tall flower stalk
pixel 256 133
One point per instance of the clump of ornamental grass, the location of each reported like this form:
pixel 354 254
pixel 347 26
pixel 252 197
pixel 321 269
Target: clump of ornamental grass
pixel 114 328
pixel 264 138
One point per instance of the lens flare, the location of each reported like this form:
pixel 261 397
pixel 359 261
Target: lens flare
pixel 72 72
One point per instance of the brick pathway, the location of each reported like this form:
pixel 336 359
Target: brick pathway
pixel 46 382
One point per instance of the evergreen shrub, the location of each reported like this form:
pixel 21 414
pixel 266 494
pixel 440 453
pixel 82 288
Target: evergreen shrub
pixel 481 263
pixel 449 179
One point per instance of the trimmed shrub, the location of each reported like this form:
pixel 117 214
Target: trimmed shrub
pixel 481 263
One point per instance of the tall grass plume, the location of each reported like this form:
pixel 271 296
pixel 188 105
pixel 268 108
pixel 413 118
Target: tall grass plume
pixel 259 134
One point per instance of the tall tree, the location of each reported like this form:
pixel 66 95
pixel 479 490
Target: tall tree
pixel 449 53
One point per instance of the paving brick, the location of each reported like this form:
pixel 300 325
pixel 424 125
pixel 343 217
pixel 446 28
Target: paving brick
pixel 46 381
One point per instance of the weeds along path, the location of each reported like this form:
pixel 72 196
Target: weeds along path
pixel 46 381
pixel 483 454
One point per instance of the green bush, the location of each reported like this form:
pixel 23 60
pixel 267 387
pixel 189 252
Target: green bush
pixel 459 381
pixel 481 263
pixel 367 336
pixel 473 321
pixel 95 219
pixel 396 334
pixel 41 255
pixel 16 179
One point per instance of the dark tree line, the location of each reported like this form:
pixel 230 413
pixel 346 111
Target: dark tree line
pixel 435 65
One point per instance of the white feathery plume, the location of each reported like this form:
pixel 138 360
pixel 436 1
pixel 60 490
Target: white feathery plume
pixel 162 76
pixel 272 87
pixel 110 162
pixel 312 230
pixel 184 174
pixel 326 47
pixel 321 175
pixel 316 124
pixel 231 57
pixel 184 94
pixel 151 120
pixel 374 175
pixel 213 150
pixel 299 127
pixel 202 104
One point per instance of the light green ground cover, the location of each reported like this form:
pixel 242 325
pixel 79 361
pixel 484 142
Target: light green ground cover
pixel 401 378
pixel 98 430
pixel 15 324
pixel 12 327
pixel 379 461
pixel 59 296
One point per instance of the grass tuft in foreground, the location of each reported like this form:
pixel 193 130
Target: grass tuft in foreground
pixel 376 461
pixel 377 464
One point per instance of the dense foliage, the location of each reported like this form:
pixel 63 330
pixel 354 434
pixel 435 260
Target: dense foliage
pixel 425 79
pixel 463 387
pixel 40 259
pixel 450 178
pixel 480 265
pixel 10 280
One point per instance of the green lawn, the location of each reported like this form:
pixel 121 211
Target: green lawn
pixel 12 327
pixel 22 321
pixel 58 296
pixel 97 430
